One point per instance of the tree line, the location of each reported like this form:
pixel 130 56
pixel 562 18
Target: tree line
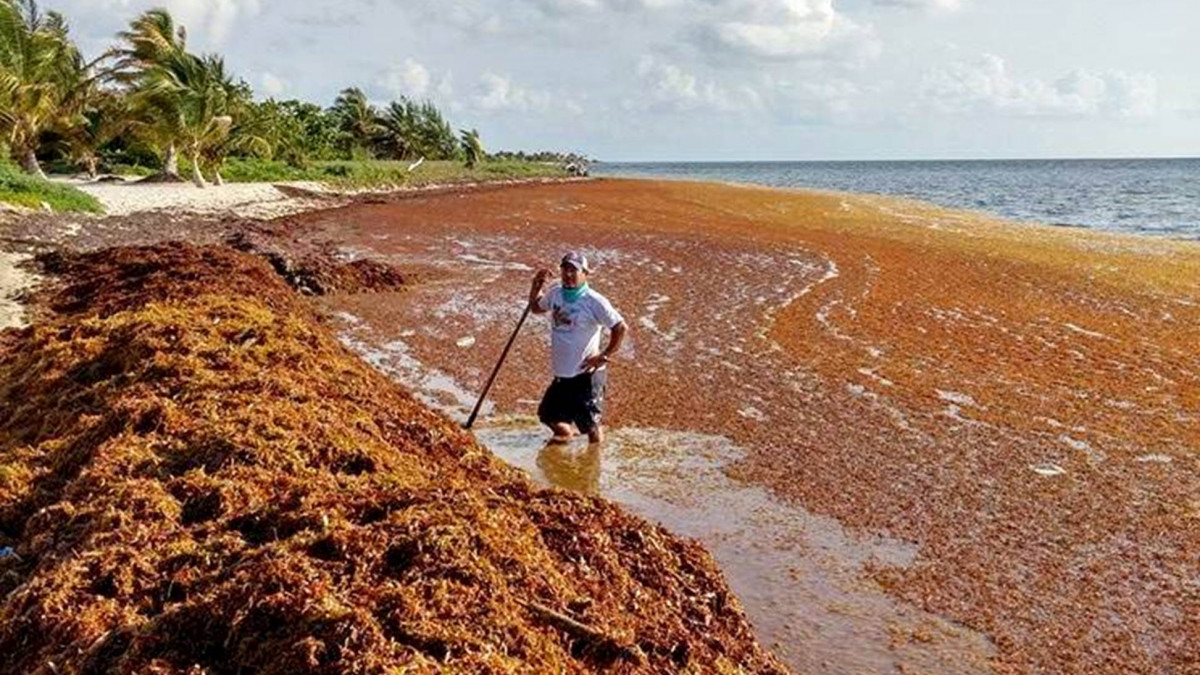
pixel 149 98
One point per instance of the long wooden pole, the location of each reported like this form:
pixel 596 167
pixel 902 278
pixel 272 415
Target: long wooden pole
pixel 487 387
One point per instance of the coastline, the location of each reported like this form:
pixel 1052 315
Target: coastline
pixel 860 448
pixel 1145 197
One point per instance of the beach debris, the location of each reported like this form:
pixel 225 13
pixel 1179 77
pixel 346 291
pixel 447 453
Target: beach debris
pixel 596 638
pixel 1047 469
pixel 466 341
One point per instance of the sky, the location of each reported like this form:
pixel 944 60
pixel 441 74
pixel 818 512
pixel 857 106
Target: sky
pixel 645 80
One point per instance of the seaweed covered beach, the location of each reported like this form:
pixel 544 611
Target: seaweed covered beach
pixel 1017 403
pixel 197 478
pixel 903 438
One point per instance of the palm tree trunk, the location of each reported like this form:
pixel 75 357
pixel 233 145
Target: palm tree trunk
pixel 171 162
pixel 197 176
pixel 29 163
pixel 93 167
pixel 217 178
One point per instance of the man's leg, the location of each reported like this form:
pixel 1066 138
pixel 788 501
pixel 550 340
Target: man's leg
pixel 562 432
pixel 550 414
pixel 589 418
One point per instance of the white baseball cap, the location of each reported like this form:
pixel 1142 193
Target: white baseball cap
pixel 577 260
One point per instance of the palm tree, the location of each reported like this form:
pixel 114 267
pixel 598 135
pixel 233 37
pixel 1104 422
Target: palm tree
pixel 435 136
pixel 397 129
pixel 38 67
pixel 155 48
pixel 357 118
pixel 247 134
pixel 104 117
pixel 472 147
pixel 188 101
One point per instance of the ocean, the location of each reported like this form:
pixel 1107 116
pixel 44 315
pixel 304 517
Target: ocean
pixel 1158 197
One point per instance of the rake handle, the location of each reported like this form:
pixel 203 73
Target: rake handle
pixel 504 355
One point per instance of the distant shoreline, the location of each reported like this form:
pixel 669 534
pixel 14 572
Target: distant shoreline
pixel 892 161
pixel 1154 197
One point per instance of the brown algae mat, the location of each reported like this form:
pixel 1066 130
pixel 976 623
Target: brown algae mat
pixel 196 477
pixel 1020 402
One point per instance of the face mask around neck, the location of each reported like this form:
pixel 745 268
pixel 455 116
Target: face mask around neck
pixel 574 294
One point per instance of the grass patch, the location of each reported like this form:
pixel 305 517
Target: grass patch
pixel 130 170
pixel 370 174
pixel 21 189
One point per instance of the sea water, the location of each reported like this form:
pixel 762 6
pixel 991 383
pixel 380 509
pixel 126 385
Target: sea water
pixel 1138 196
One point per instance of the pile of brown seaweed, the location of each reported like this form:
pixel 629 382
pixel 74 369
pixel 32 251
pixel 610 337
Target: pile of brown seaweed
pixel 313 268
pixel 197 478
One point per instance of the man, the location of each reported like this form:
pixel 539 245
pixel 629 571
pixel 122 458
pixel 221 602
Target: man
pixel 578 313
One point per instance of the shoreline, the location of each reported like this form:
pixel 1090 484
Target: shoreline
pixel 922 201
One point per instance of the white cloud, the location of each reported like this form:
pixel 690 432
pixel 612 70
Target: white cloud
pixel 783 30
pixel 209 21
pixel 986 84
pixel 812 101
pixel 475 17
pixel 946 5
pixel 672 88
pixel 272 85
pixel 571 7
pixel 409 79
pixel 498 93
pixel 667 86
pixel 445 87
pixel 561 7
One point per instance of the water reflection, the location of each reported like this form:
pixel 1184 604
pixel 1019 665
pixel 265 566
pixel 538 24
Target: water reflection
pixel 801 576
pixel 571 467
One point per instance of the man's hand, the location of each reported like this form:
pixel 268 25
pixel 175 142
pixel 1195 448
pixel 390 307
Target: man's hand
pixel 535 289
pixel 540 278
pixel 594 362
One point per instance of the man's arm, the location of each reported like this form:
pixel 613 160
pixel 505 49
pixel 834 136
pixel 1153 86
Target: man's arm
pixel 535 290
pixel 614 343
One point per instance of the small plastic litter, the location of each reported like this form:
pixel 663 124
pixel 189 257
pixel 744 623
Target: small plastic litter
pixel 1047 469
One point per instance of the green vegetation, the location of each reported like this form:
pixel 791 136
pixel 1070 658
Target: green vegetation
pixel 348 175
pixel 30 191
pixel 472 148
pixel 41 76
pixel 149 106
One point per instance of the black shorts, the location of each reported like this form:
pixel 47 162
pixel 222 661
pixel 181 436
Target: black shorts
pixel 575 400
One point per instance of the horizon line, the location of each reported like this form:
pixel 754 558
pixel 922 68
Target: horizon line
pixel 924 159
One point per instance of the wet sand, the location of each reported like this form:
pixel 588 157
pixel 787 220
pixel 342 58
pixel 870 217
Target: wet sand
pixel 1019 404
pixel 14 281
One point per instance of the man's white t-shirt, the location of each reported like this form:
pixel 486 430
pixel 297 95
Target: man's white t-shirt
pixel 576 328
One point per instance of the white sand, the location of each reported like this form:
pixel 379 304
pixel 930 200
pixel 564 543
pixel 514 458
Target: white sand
pixel 249 200
pixel 13 280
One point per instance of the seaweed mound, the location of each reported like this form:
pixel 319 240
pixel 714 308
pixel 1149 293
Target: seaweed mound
pixel 313 268
pixel 196 477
